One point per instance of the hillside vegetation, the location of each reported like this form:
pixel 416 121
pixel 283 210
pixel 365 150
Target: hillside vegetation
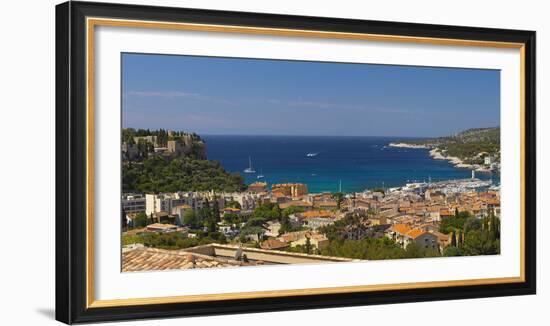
pixel 150 171
pixel 470 145
pixel 164 174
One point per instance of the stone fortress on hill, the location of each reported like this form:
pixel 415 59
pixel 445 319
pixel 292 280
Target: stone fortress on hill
pixel 176 143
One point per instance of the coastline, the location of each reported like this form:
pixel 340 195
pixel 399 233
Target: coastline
pixel 436 154
pixel 457 162
pixel 405 145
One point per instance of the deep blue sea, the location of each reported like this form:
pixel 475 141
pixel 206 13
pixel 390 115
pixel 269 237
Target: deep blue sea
pixel 358 162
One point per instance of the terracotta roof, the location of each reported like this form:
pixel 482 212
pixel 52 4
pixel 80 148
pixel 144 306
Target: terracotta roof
pixel 273 244
pixel 401 228
pixel 326 203
pixel 297 203
pixel 493 201
pixel 292 236
pixel 415 233
pixel 147 259
pixel 278 194
pixel 320 213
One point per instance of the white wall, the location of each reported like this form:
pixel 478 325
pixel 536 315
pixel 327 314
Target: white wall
pixel 27 115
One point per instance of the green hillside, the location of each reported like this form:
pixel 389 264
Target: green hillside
pixel 470 145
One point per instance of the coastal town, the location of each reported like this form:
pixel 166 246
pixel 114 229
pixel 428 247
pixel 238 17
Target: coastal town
pixel 179 220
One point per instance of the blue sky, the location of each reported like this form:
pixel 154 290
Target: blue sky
pixel 226 96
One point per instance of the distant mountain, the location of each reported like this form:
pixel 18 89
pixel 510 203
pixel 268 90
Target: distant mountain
pixel 476 135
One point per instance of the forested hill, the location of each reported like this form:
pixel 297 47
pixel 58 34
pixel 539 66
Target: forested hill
pixel 157 161
pixel 470 144
pixel 477 135
pixel 170 174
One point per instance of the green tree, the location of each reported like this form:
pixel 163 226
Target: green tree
pixel 451 251
pixel 494 227
pixel 479 243
pixel 233 204
pixel 190 219
pixel 140 220
pixel 339 198
pixel 170 174
pixel 472 223
pixel 308 245
pixel 453 239
pixel 216 210
pixel 210 225
pixel 415 250
pixel 447 225
pixel 267 212
pixel 292 210
pixel 231 218
pixel 255 226
pixel 368 248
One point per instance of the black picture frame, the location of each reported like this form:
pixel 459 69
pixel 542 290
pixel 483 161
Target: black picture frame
pixel 71 200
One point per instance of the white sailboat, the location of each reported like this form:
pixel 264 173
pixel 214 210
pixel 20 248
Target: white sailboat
pixel 261 175
pixel 249 169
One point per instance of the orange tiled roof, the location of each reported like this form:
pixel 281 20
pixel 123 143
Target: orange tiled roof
pixel 278 194
pixel 493 201
pixel 401 228
pixel 298 203
pixel 320 213
pixel 415 233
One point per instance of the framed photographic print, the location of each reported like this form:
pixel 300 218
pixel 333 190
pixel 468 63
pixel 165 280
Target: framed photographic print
pixel 214 162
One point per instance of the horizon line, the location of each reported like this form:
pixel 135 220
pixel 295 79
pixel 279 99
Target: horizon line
pixel 301 135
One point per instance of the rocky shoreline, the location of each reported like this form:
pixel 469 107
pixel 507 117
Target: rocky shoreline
pixel 436 154
pixel 405 145
pixel 457 162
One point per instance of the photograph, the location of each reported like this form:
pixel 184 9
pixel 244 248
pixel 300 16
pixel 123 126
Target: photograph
pixel 213 161
pixel 242 162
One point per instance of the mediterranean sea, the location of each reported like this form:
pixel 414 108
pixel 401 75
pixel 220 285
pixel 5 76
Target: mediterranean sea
pixel 357 163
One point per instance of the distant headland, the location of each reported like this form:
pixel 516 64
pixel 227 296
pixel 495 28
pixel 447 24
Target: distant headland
pixel 477 149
